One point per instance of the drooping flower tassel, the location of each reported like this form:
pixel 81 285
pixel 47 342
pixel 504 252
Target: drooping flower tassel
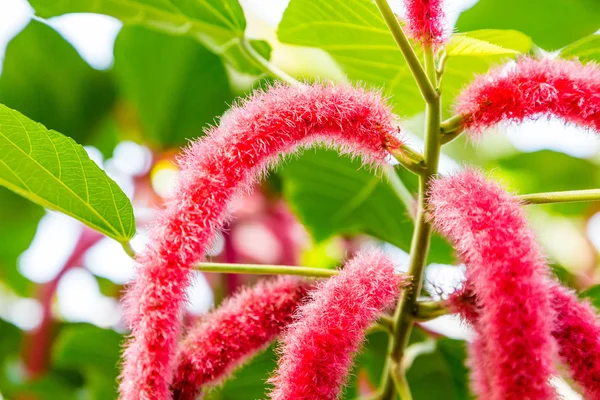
pixel 575 328
pixel 318 348
pixel 213 171
pixel 531 89
pixel 507 273
pixel 227 337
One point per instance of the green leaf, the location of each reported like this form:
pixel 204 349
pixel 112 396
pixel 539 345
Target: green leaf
pixel 177 87
pixel 506 38
pixel 444 366
pixel 53 171
pixel 586 49
pixel 84 345
pixel 356 36
pixel 44 77
pixel 466 44
pixel 249 383
pixel 93 351
pixel 19 223
pixel 551 24
pixel 593 294
pixel 332 194
pixel 217 24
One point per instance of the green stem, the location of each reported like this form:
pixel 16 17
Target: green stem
pixel 570 196
pixel 403 317
pixel 128 249
pixel 425 83
pixel 258 269
pixel 266 66
pixel 452 128
pixel 428 310
pixel 410 159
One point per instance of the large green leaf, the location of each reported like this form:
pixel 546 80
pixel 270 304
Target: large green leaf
pixel 444 366
pixel 44 77
pixel 586 49
pixel 488 42
pixel 19 223
pixel 332 194
pixel 551 23
pixel 176 86
pixel 95 353
pixel 53 171
pixel 217 24
pixel 249 383
pixel 356 36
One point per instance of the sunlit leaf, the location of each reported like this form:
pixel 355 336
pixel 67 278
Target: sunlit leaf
pixel 53 171
pixel 586 49
pixel 356 36
pixel 217 24
pixel 465 45
pixel 551 24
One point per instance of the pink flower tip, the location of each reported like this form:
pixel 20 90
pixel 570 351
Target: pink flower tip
pixel 425 21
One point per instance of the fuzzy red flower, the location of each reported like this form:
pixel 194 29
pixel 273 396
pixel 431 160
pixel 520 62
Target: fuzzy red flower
pixel 318 347
pixel 242 326
pixel 506 271
pixel 425 21
pixel 575 328
pixel 532 89
pixel 213 171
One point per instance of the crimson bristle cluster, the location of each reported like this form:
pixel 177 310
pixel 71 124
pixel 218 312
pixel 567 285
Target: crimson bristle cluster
pixel 425 21
pixel 506 271
pixel 318 347
pixel 227 337
pixel 532 89
pixel 214 170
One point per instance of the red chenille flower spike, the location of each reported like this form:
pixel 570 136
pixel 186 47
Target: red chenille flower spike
pixel 318 348
pixel 506 271
pixel 227 337
pixel 531 89
pixel 214 170
pixel 575 328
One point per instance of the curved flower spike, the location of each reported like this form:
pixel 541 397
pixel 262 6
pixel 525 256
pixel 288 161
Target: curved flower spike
pixel 506 271
pixel 317 350
pixel 213 171
pixel 242 326
pixel 425 21
pixel 530 89
pixel 575 328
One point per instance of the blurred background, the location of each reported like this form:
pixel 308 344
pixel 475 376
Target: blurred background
pixel 134 96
